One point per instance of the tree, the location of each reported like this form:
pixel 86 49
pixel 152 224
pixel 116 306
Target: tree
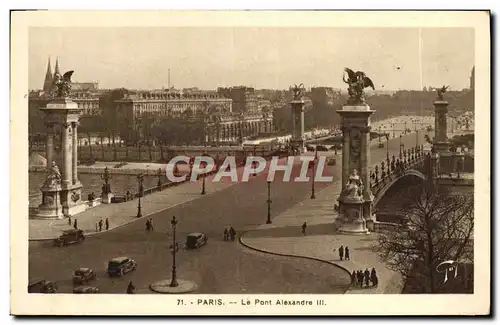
pixel 439 226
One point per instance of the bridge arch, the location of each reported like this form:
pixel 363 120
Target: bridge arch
pixel 380 190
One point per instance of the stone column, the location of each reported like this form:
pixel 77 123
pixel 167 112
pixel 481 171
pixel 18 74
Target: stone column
pixel 66 153
pixel 49 146
pixel 301 120
pixel 365 160
pixel 440 126
pixel 293 123
pixel 74 156
pixel 345 154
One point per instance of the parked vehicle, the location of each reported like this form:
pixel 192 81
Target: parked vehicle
pixel 70 236
pixel 86 289
pixel 195 240
pixel 41 286
pixel 380 145
pixel 118 266
pixel 83 275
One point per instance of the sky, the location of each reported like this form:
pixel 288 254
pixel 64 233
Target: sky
pixel 211 57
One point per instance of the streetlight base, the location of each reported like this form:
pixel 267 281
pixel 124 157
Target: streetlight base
pixel 173 283
pixel 269 221
pixel 313 196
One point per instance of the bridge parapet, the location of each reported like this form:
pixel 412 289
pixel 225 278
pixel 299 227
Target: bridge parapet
pixel 388 171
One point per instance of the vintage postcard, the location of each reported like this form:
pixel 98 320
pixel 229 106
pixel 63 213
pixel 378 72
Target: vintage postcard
pixel 250 163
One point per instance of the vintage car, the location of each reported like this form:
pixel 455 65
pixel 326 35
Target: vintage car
pixel 41 286
pixel 85 289
pixel 83 275
pixel 70 236
pixel 118 266
pixel 195 240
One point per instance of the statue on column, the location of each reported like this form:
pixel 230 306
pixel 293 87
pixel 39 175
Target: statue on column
pixel 54 176
pixel 354 186
pixel 298 91
pixel 62 84
pixel 357 82
pixel 441 91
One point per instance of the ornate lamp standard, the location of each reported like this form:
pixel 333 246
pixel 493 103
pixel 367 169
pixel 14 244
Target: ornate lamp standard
pixel 387 144
pixel 159 178
pixel 313 192
pixel 140 178
pixel 174 247
pixel 401 146
pixel 269 202
pixel 203 187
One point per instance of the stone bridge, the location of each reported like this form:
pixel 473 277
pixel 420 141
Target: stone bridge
pixel 411 162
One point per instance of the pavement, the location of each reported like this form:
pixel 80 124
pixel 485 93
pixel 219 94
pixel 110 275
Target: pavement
pixel 218 267
pixel 321 242
pixel 284 238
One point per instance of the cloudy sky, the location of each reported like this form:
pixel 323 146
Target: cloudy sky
pixel 140 57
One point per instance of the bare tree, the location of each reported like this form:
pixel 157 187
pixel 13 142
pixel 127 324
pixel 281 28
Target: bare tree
pixel 438 226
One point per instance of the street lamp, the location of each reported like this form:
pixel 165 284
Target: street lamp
pixel 387 145
pixel 140 178
pixel 173 282
pixel 401 146
pixel 203 192
pixel 313 192
pixel 269 202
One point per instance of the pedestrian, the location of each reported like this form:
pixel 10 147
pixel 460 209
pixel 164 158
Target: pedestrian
pixel 100 225
pixel 375 281
pixel 226 234
pixel 69 220
pixel 304 226
pixel 107 224
pixel 131 287
pixel 347 257
pixel 75 224
pixel 373 277
pixel 96 227
pixel 151 226
pixel 148 225
pixel 367 277
pixel 341 252
pixel 232 233
pixel 353 278
pixel 360 278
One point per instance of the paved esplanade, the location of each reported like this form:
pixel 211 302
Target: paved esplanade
pixel 219 267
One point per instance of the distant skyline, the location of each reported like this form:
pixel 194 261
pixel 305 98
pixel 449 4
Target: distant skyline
pixel 211 57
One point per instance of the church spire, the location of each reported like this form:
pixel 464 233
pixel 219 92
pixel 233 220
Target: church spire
pixel 47 84
pixel 57 66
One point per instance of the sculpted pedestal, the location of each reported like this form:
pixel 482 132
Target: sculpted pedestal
pixel 61 192
pixel 355 213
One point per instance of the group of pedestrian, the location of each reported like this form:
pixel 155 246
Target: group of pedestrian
pixel 149 225
pixel 229 234
pixel 100 224
pixel 358 278
pixel 344 253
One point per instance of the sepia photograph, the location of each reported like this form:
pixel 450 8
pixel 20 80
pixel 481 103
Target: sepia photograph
pixel 294 165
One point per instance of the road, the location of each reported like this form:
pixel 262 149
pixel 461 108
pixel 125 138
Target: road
pixel 219 267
